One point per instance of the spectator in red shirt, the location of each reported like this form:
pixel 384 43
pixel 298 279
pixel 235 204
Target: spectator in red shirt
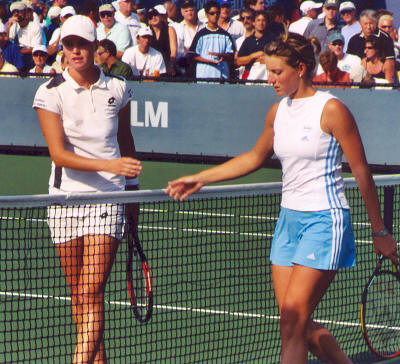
pixel 332 73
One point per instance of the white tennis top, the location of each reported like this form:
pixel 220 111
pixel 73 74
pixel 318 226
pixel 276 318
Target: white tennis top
pixel 90 123
pixel 311 159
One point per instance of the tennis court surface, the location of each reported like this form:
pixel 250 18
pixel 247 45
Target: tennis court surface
pixel 213 298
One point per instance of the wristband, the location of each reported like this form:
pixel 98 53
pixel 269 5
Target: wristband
pixel 131 181
pixel 131 187
pixel 382 232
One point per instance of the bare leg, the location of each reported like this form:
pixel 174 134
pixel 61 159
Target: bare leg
pixel 87 264
pixel 298 290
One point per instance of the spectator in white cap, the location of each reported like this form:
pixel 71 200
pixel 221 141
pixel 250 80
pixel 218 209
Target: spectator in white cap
pixel 126 16
pixel 23 32
pixel 40 55
pixel 348 13
pixel 55 46
pixel 110 29
pixel 163 39
pixel 85 119
pixel 6 67
pixel 54 17
pixel 143 59
pixel 310 11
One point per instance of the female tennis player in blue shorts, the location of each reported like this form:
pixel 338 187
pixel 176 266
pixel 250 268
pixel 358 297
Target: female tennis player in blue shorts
pixel 85 119
pixel 308 130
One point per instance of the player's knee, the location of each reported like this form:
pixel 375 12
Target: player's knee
pixel 90 294
pixel 291 323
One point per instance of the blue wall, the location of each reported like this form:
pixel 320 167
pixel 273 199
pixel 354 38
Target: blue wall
pixel 207 119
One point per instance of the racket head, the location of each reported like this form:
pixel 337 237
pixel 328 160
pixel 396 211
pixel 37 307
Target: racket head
pixel 380 311
pixel 139 280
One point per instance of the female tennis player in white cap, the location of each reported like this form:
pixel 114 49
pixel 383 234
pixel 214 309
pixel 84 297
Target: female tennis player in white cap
pixel 85 119
pixel 309 130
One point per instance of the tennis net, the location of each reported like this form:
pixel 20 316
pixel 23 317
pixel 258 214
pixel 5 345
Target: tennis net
pixel 213 296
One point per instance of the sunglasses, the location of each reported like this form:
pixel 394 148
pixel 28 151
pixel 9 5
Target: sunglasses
pixel 152 14
pixel 246 17
pixel 386 26
pixel 213 13
pixel 369 47
pixel 109 14
pixel 338 43
pixel 39 54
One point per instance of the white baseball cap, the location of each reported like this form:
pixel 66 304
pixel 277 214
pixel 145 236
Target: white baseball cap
pixel 80 26
pixel 67 10
pixel 309 5
pixel 40 48
pixel 347 5
pixel 17 5
pixel 144 30
pixel 54 12
pixel 161 9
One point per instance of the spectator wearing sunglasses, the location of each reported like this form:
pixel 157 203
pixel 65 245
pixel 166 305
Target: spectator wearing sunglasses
pixel 212 48
pixel 346 62
pixel 109 28
pixel 348 13
pixel 247 19
pixel 163 39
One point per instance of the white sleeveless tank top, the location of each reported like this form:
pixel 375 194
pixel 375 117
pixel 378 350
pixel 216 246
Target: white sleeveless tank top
pixel 311 159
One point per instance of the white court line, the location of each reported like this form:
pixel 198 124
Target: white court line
pixel 190 309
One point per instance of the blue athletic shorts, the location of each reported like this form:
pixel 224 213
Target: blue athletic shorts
pixel 317 239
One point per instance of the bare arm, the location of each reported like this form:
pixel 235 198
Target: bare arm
pixel 53 133
pixel 244 60
pixel 236 167
pixel 338 121
pixel 388 69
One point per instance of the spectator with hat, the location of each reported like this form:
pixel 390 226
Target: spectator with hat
pixel 346 62
pixel 54 17
pixel 142 58
pixel 369 28
pixel 23 32
pixel 109 28
pixel 185 33
pixel 40 55
pixel 125 16
pixel 10 51
pixel 55 42
pixel 309 10
pixel 234 27
pixel 348 13
pixel 213 48
pixel 163 39
pixel 321 27
pixel 109 62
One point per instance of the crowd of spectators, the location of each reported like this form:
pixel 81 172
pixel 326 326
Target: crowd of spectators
pixel 214 42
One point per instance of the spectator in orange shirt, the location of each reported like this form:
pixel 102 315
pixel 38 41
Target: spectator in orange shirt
pixel 332 73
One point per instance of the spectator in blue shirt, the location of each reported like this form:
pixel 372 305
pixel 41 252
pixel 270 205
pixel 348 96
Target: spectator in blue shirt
pixel 212 47
pixel 11 52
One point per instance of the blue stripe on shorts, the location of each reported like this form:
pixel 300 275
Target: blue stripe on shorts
pixel 317 239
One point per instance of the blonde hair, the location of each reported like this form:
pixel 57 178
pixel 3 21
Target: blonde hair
pixel 295 49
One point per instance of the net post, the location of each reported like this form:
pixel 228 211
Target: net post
pixel 388 196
